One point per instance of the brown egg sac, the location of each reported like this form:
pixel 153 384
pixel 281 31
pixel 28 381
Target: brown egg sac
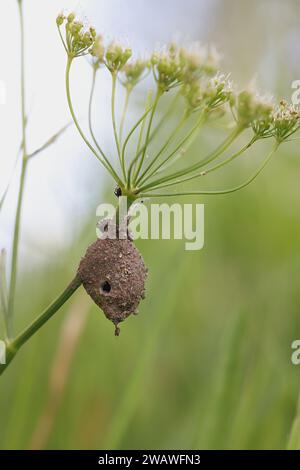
pixel 113 273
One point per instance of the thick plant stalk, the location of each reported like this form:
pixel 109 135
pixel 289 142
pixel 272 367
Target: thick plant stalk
pixel 12 347
pixel 16 236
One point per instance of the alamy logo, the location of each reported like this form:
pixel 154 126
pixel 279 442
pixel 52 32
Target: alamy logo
pixel 295 357
pixel 153 222
pixel 296 94
pixel 2 352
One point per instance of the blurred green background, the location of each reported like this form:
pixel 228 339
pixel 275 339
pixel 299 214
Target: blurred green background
pixel 207 362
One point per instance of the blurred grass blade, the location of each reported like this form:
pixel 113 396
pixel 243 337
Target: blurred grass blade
pixel 2 199
pixel 4 196
pixel 69 337
pixel 294 437
pixel 133 393
pixel 3 291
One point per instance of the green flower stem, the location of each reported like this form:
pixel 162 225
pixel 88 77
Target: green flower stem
pixel 164 117
pixel 90 123
pixel 125 107
pixel 16 235
pixel 113 115
pixel 166 144
pixel 231 158
pixel 208 170
pixel 158 126
pixel 216 153
pixel 13 346
pixel 165 164
pixel 93 150
pixel 132 166
pixel 222 147
pixel 189 137
pixel 90 105
pixel 62 40
pixel 139 148
pixel 168 112
pixel 217 192
pixel 140 165
pixel 139 143
pixel 131 132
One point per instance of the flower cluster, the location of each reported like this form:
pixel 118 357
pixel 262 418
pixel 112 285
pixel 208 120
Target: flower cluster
pixel 206 93
pixel 254 111
pixel 179 65
pixel 218 91
pixel 116 56
pixel 201 91
pixel 264 118
pixel 168 68
pixel 78 40
pixel 286 121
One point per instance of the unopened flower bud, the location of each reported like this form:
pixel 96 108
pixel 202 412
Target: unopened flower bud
pixel 60 19
pixel 154 58
pixel 78 39
pixel 87 39
pixel 71 17
pixel 93 32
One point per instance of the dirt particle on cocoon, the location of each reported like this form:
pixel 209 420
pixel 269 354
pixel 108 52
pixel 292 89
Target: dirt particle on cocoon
pixel 113 273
